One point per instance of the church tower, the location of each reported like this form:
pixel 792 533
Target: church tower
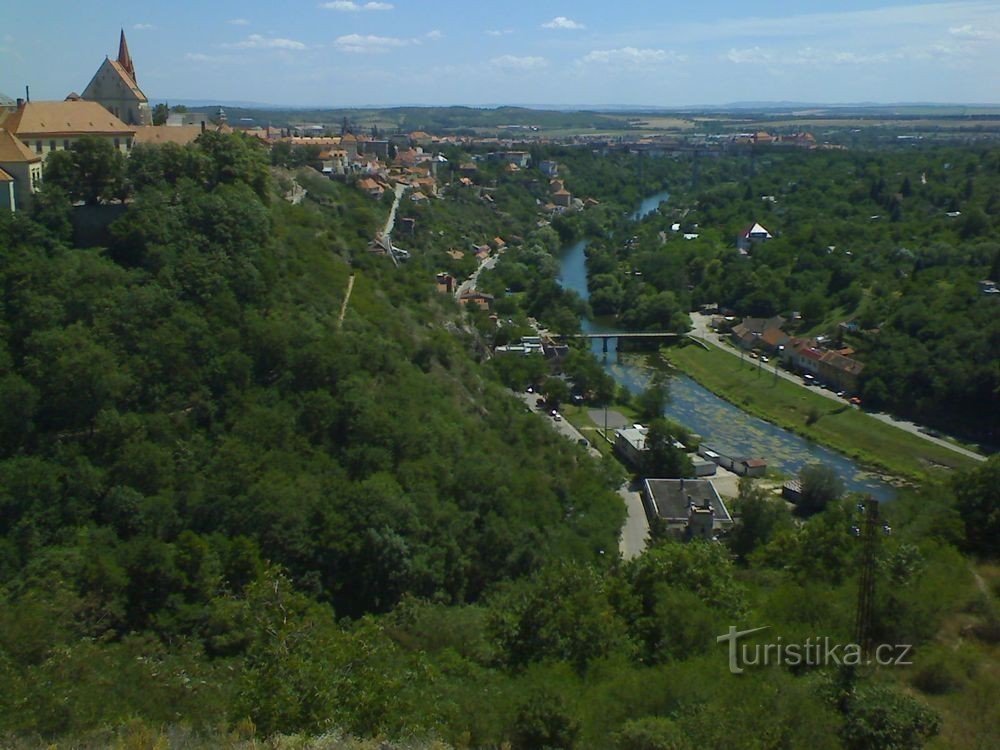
pixel 114 87
pixel 125 59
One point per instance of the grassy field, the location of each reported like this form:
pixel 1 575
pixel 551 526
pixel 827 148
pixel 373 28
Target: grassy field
pixel 841 427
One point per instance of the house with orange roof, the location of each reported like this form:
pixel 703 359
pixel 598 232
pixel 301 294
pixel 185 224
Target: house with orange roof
pixel 55 126
pixel 371 187
pixel 115 87
pixel 7 192
pixel 420 138
pixel 22 166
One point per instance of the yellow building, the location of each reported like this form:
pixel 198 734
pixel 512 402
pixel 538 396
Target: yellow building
pixel 20 172
pixel 115 88
pixel 55 126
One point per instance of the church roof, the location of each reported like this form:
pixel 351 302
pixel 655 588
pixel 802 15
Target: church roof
pixel 124 58
pixel 65 118
pixel 12 150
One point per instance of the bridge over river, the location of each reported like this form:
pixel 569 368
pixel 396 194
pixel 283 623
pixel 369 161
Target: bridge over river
pixel 640 336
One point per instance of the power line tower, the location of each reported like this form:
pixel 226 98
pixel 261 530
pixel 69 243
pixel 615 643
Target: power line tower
pixel 868 531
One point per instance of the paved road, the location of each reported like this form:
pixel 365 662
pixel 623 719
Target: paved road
pixel 469 285
pixel 635 532
pixel 701 331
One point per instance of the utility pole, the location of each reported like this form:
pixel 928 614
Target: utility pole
pixel 868 532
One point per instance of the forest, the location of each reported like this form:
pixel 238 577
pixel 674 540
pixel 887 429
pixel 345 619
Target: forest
pixel 883 251
pixel 229 520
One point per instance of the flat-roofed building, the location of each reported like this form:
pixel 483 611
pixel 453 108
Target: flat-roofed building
pixel 689 508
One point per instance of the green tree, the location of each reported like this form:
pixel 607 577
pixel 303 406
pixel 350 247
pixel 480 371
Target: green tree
pixel 92 170
pixel 160 113
pixel 759 518
pixel 977 492
pixel 820 487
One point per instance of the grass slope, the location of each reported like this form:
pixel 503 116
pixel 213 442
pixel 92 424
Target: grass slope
pixel 843 428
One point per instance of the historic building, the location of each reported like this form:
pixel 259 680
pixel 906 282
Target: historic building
pixel 114 87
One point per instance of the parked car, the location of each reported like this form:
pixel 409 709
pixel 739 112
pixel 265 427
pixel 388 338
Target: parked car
pixel 583 442
pixel 557 417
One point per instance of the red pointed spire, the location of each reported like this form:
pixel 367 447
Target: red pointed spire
pixel 124 58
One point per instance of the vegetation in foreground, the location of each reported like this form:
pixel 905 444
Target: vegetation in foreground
pixel 227 521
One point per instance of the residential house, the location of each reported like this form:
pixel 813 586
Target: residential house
pixel 374 189
pixel 7 202
pixel 841 371
pixel 760 333
pixel 420 138
pixel 333 162
pixel 752 235
pixel 689 508
pixel 445 283
pixel 23 167
pixel 480 299
pixel 562 198
pixel 630 444
pixel 803 355
pixel 115 88
pixel 549 168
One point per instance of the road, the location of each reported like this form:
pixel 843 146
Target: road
pixel 469 285
pixel 701 330
pixel 635 533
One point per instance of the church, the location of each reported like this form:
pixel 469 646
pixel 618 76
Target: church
pixel 114 86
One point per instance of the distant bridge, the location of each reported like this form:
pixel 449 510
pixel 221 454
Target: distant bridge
pixel 641 335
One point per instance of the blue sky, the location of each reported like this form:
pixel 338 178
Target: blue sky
pixel 535 52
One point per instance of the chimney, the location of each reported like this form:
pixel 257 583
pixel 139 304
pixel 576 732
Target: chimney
pixel 27 93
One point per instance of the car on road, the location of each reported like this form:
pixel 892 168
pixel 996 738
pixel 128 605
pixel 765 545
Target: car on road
pixel 583 442
pixel 557 417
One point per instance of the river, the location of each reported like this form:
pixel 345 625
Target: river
pixel 725 427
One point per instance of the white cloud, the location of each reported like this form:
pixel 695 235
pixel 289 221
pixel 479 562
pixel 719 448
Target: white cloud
pixel 360 43
pixel 631 56
pixel 561 22
pixel 812 57
pixel 513 62
pixel 499 32
pixel 200 57
pixel 974 33
pixel 434 34
pixel 348 6
pixel 256 41
pixel 238 22
pixel 143 26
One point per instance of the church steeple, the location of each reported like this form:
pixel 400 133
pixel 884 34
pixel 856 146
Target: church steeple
pixel 124 58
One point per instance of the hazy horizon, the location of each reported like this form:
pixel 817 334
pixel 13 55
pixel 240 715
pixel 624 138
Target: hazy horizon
pixel 350 53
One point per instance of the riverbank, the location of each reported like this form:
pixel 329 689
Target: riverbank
pixel 843 428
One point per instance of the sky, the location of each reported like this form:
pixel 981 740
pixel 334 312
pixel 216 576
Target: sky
pixel 335 53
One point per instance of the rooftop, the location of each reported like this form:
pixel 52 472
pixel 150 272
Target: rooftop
pixel 65 118
pixel 673 497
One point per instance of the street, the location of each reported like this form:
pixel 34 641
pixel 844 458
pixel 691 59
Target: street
pixel 635 531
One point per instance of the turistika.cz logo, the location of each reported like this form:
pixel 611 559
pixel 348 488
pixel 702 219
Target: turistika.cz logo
pixel 813 652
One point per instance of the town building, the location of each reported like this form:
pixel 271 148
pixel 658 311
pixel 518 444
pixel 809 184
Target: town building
pixel 22 171
pixel 115 87
pixel 687 508
pixel 56 126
